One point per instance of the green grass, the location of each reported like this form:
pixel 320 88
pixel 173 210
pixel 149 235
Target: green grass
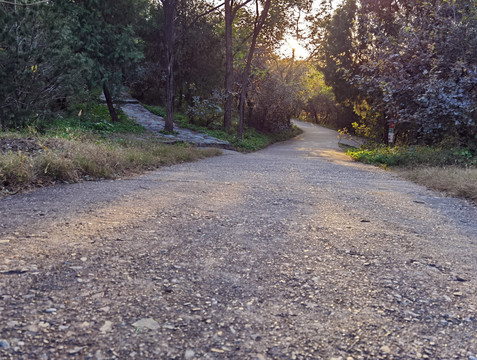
pixel 90 118
pixel 253 140
pixel 411 156
pixel 452 171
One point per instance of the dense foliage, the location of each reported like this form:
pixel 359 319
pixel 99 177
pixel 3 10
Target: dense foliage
pixel 55 55
pixel 412 62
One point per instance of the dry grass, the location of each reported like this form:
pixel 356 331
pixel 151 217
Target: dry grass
pixel 454 181
pixel 74 160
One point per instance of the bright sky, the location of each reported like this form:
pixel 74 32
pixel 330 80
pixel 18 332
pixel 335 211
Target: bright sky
pixel 291 43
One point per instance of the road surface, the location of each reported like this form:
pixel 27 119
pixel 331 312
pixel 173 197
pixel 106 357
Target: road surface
pixel 293 252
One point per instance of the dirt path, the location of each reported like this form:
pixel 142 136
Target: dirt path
pixel 293 252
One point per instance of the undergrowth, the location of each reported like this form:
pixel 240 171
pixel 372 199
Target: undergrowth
pixel 89 118
pixel 450 170
pixel 72 160
pixel 253 140
pixel 411 156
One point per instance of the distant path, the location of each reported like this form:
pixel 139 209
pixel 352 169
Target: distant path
pixel 293 252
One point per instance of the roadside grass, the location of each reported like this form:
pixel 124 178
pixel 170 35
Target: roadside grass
pixel 253 140
pixel 72 148
pixel 453 180
pixel 88 158
pixel 452 171
pixel 409 156
pixel 89 118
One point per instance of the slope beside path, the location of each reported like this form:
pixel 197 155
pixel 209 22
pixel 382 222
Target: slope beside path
pixel 154 123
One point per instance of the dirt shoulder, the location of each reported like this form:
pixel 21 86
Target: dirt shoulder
pixel 293 252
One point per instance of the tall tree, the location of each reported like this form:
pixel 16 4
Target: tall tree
pixel 170 11
pixel 105 36
pixel 39 67
pixel 260 19
pixel 231 8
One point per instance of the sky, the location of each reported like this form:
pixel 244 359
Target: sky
pixel 291 43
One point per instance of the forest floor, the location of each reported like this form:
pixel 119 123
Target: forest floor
pixel 292 252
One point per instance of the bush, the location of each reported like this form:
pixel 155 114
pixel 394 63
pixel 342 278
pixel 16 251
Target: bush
pixel 207 112
pixel 409 156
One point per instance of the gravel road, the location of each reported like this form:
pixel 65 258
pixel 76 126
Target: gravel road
pixel 293 252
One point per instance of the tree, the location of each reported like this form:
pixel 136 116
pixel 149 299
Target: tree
pixel 231 8
pixel 104 35
pixel 39 67
pixel 261 17
pixel 422 74
pixel 170 11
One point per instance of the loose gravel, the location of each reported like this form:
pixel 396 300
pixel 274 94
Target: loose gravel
pixel 293 252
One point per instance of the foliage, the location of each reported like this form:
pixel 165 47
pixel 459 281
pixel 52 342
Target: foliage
pixel 54 52
pixel 411 156
pixel 39 68
pixel 319 103
pixel 272 103
pixel 207 112
pixel 412 62
pixel 424 73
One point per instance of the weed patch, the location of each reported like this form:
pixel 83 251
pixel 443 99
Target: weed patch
pixel 72 160
pixel 452 171
pixel 410 156
pixel 454 181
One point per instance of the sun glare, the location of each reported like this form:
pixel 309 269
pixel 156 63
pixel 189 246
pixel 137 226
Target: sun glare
pixel 290 44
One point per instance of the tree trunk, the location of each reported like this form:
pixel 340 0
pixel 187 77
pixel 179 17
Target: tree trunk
pixel 169 7
pixel 109 102
pixel 246 74
pixel 228 66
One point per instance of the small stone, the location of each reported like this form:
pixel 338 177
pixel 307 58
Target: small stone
pixel 169 327
pixel 32 328
pixel 457 293
pixel 219 351
pixel 99 355
pixel 4 344
pixel 50 310
pixel 84 259
pixel 106 327
pixel 43 324
pixel 75 350
pixel 148 323
pixel 385 349
pixel 189 354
